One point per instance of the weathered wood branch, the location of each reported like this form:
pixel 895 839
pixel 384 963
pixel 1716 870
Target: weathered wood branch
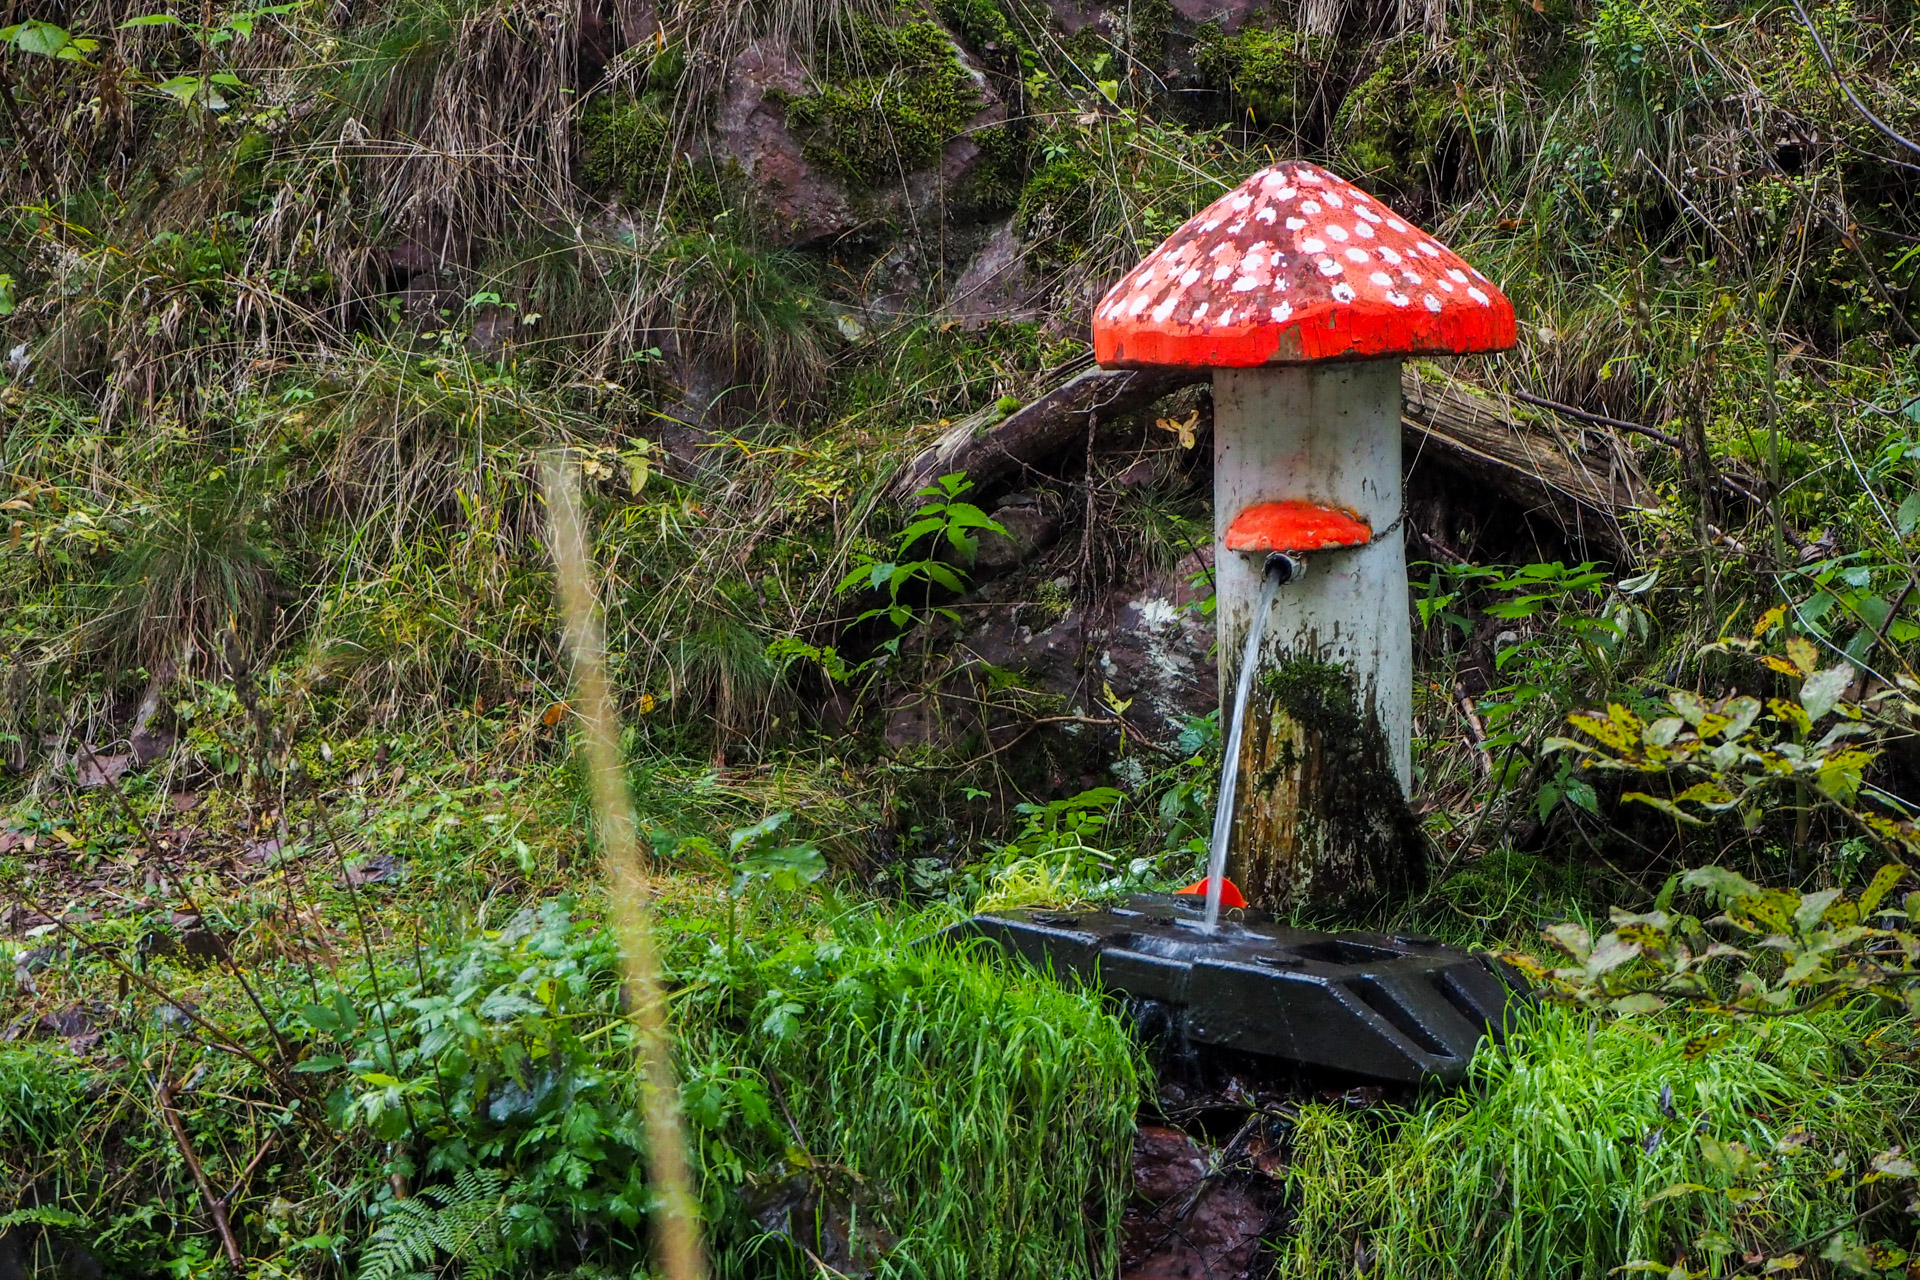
pixel 1583 479
pixel 991 450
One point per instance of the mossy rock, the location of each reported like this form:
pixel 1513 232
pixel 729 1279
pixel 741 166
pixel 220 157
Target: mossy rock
pixel 893 97
pixel 1394 126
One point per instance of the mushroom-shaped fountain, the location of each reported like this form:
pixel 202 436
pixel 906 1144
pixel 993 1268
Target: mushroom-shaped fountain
pixel 1304 294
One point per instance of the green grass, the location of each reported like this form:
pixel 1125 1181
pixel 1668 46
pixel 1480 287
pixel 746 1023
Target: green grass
pixel 981 1115
pixel 1543 1165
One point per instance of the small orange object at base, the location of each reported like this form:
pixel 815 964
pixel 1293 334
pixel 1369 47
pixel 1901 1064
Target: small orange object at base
pixel 1296 526
pixel 1229 893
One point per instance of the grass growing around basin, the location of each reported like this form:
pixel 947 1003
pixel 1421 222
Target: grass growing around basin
pixel 1582 1147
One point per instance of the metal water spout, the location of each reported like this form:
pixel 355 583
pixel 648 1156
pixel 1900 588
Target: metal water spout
pixel 1304 294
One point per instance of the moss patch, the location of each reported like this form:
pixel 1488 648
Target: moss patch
pixel 1323 822
pixel 1259 67
pixel 1395 123
pixel 893 97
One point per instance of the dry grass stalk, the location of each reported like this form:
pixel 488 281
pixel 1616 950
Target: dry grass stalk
pixel 680 1253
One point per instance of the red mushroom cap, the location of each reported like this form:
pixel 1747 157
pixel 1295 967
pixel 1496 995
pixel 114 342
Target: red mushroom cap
pixel 1297 265
pixel 1296 526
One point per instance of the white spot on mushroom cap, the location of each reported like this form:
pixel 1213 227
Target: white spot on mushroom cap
pixel 1394 224
pixel 1397 299
pixel 1309 206
pixel 1433 303
pixel 1356 255
pixel 1478 296
pixel 1165 309
pixel 1382 279
pixel 1342 292
pixel 1313 244
pixel 1333 199
pixel 1362 230
pixel 1427 249
pixel 1281 312
pixel 1390 254
pixel 1265 215
pixel 1336 232
pixel 1328 267
pixel 1188 279
pixel 1296 224
pixel 1456 275
pixel 1199 313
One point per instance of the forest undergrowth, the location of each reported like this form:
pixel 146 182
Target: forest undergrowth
pixel 311 966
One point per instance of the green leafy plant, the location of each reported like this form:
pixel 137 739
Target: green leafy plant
pixel 943 520
pixel 1736 754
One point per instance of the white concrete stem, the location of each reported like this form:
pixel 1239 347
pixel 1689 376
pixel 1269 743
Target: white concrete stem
pixel 1328 434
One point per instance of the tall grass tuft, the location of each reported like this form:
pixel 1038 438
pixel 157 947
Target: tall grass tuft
pixel 952 1119
pixel 1561 1158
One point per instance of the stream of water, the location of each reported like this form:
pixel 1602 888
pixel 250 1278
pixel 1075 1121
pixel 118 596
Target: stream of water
pixel 1230 759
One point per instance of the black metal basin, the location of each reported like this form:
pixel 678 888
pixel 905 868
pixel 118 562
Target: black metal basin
pixel 1398 1008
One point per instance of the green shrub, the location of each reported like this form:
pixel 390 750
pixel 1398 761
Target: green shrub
pixel 931 1114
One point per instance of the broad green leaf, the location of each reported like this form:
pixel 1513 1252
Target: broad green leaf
pixel 1663 731
pixel 1637 1003
pixel 42 38
pixel 1667 807
pixel 1812 907
pixel 1610 953
pixel 1883 882
pixel 1721 882
pixel 1823 688
pixel 1571 938
pixel 748 837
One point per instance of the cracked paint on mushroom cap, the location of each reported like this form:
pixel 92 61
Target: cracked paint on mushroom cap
pixel 1293 266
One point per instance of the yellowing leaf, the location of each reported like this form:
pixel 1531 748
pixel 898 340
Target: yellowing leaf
pixel 1183 428
pixel 1804 655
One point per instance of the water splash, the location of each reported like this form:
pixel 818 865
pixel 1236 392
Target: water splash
pixel 1270 583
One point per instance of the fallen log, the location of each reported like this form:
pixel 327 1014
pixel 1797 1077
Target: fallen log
pixel 991 448
pixel 1584 480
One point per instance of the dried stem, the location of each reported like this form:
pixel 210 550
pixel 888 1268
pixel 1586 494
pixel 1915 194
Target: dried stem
pixel 216 1205
pixel 628 882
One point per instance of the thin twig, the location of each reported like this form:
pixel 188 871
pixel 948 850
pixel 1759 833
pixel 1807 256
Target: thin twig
pixel 225 953
pixel 216 1206
pixel 1847 89
pixel 221 1039
pixel 1476 732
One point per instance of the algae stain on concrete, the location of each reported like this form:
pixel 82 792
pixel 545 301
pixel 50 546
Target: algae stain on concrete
pixel 1321 819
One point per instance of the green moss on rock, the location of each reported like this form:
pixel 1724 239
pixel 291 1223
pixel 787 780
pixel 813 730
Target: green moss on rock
pixel 893 97
pixel 1394 124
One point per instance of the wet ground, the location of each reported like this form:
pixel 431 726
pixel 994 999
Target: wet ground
pixel 1209 1166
